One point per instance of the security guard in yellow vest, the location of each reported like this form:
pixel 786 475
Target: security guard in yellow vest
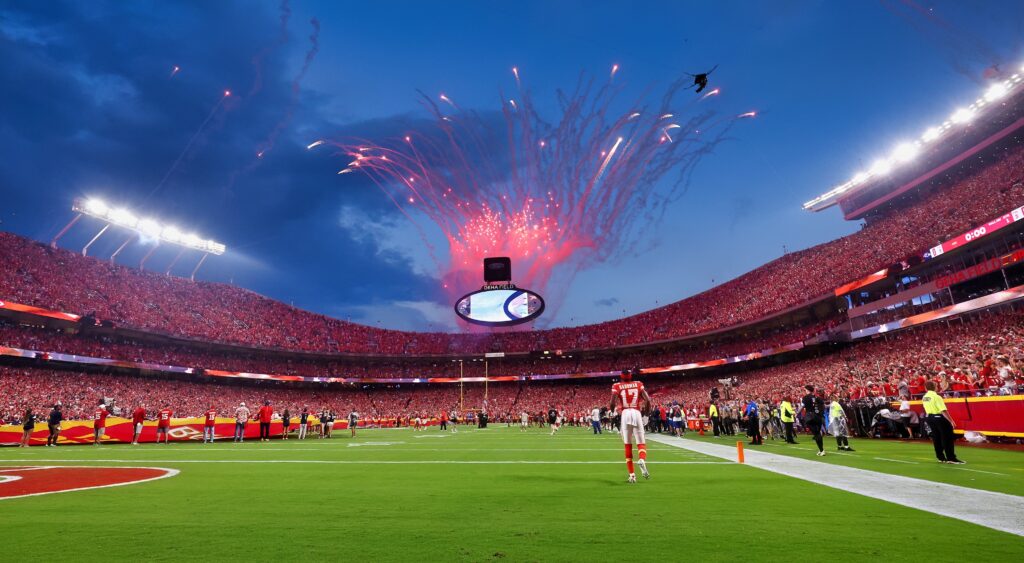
pixel 941 424
pixel 716 419
pixel 788 416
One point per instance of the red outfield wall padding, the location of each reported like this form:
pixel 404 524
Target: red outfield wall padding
pixel 994 416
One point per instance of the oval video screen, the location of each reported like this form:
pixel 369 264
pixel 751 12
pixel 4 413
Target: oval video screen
pixel 500 307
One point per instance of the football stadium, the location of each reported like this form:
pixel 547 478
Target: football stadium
pixel 336 281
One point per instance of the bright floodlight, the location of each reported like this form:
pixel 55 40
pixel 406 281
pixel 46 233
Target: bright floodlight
pixel 931 134
pixel 961 115
pixel 171 234
pixel 96 207
pixel 148 227
pixel 905 152
pixel 996 91
pixel 193 240
pixel 881 167
pixel 123 217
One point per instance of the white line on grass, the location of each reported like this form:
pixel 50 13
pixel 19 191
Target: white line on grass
pixel 897 460
pixel 372 462
pixel 957 467
pixel 998 511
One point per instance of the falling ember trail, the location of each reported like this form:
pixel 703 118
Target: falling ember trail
pixel 289 112
pixel 564 194
pixel 191 140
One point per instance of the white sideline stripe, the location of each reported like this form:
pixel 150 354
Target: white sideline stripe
pixel 372 462
pixel 998 511
pixel 453 449
pixel 897 460
pixel 957 467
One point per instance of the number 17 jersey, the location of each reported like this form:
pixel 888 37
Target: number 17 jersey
pixel 629 393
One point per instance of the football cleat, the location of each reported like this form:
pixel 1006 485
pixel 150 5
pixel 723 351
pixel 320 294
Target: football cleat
pixel 643 468
pixel 632 478
pixel 821 454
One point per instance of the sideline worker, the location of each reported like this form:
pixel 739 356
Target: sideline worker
pixel 941 424
pixel 788 417
pixel 716 420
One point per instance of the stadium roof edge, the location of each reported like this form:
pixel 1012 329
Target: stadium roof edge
pixel 931 141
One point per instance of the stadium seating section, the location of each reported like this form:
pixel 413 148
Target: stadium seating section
pixel 35 274
pixel 976 356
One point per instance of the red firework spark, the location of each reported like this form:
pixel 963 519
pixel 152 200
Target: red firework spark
pixel 565 193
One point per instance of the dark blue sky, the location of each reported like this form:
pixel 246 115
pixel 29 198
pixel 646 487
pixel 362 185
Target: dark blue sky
pixel 89 109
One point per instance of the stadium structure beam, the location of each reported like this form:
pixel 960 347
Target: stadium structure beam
pixel 142 264
pixel 120 248
pixel 199 265
pixel 85 249
pixel 173 262
pixel 53 243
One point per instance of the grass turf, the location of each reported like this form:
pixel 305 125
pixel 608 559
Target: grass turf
pixel 513 496
pixel 988 469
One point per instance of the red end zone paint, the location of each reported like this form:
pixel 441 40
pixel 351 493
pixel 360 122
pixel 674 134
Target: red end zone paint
pixel 30 481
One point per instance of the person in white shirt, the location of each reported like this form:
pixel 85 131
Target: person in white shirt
pixel 908 417
pixel 524 421
pixel 595 419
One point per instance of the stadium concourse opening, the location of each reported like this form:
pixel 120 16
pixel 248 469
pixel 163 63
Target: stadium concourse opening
pixel 302 390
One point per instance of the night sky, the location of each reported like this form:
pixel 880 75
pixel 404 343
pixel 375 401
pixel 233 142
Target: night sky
pixel 90 107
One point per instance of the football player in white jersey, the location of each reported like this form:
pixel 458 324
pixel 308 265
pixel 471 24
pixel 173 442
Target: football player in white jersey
pixel 631 396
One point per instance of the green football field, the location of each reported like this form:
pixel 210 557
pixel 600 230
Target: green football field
pixel 396 495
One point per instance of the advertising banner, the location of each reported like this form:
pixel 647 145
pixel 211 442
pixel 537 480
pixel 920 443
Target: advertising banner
pixel 120 431
pixel 992 416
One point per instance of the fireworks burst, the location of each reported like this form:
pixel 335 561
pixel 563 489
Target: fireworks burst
pixel 559 195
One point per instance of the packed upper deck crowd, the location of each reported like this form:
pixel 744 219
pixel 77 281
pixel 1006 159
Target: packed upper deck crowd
pixel 981 355
pixel 38 275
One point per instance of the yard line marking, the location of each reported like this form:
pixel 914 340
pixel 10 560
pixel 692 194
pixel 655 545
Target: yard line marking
pixel 897 460
pixel 370 462
pixel 979 471
pixel 998 511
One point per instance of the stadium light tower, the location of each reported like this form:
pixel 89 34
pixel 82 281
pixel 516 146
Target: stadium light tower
pixel 906 152
pixel 140 228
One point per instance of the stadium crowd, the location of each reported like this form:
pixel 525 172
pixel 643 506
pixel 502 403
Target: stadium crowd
pixel 979 355
pixel 111 346
pixel 35 274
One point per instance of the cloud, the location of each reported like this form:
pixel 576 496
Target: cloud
pixel 415 315
pixel 607 302
pixel 396 240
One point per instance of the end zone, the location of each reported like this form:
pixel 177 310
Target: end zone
pixel 31 481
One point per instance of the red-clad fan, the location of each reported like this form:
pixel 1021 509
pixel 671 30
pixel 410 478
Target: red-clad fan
pixel 627 396
pixel 265 414
pixel 209 424
pixel 962 382
pixel 99 422
pixel 163 424
pixel 138 418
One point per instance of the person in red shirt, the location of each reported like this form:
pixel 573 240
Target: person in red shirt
pixel 209 425
pixel 163 423
pixel 962 383
pixel 265 414
pixel 99 422
pixel 630 396
pixel 138 418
